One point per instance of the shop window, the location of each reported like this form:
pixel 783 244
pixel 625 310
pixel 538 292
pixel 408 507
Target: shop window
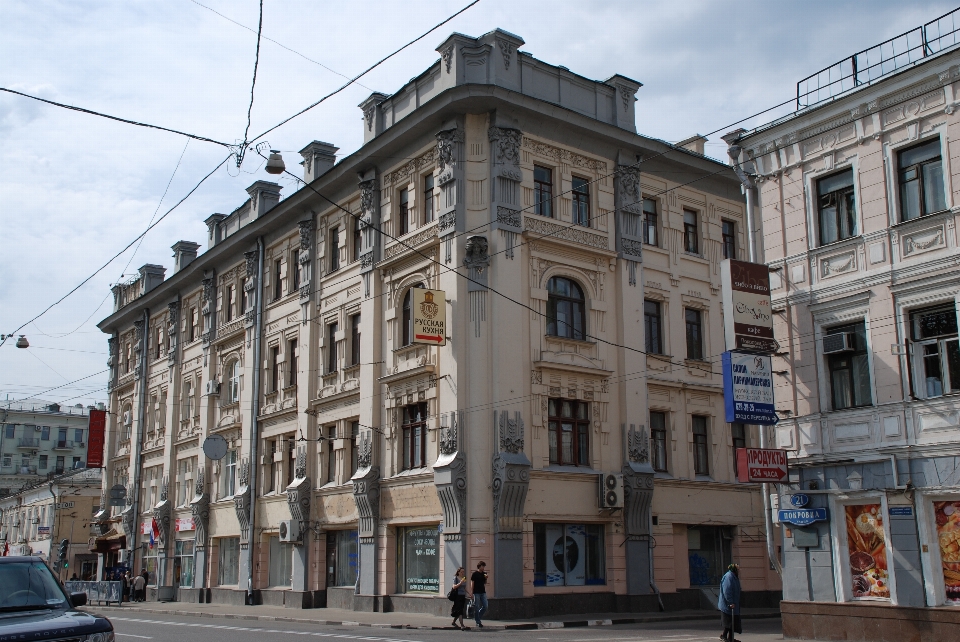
pixel 569 432
pixel 428 197
pixel 694 323
pixel 414 436
pixel 229 563
pixel 849 366
pixel 739 434
pixel 342 557
pixel 418 559
pixel 691 232
pixel 148 562
pixel 921 180
pixel 729 238
pixel 404 213
pixel 658 435
pixel 837 207
pixel 701 451
pixel 866 546
pixel 947 516
pixel 281 563
pixel 935 350
pixel 543 191
pixel 652 327
pixel 568 555
pixel 580 197
pixel 650 224
pixel 566 315
pixel 709 553
pixel 183 563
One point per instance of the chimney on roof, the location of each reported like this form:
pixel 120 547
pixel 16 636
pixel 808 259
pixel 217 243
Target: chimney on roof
pixel 695 143
pixel 54 407
pixel 264 196
pixel 318 158
pixel 214 230
pixel 150 277
pixel 184 252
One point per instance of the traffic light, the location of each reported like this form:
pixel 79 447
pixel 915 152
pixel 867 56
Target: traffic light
pixel 62 554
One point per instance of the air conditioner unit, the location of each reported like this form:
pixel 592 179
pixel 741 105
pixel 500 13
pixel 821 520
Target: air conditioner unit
pixel 840 342
pixel 38 428
pixel 213 387
pixel 611 490
pixel 290 530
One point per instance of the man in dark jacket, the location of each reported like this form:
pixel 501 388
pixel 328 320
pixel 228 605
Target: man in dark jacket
pixel 729 603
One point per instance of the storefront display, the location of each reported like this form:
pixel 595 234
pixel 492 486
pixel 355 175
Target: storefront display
pixel 948 537
pixel 568 555
pixel 419 558
pixel 866 543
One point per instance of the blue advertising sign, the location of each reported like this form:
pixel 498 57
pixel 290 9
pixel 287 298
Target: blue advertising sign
pixel 799 500
pixel 901 511
pixel 748 389
pixel 802 516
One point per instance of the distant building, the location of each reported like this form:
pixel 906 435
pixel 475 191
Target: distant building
pixel 36 519
pixel 39 441
pixel 859 195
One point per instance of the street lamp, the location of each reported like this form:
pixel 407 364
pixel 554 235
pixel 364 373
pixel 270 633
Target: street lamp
pixel 275 163
pixel 22 340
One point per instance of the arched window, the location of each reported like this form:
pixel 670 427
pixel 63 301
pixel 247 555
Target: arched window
pixel 407 331
pixel 565 309
pixel 233 381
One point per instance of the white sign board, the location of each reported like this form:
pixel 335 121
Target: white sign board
pixel 748 388
pixel 429 317
pixel 747 317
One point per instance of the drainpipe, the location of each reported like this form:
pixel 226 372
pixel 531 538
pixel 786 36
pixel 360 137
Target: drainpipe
pixel 254 425
pixel 141 419
pixel 750 191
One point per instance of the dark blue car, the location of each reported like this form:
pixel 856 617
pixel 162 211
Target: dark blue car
pixel 34 606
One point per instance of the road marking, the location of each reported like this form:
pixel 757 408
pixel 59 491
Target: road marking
pixel 131 635
pixel 366 638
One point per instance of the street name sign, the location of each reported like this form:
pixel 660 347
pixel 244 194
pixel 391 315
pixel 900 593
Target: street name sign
pixel 761 465
pixel 747 318
pixel 802 516
pixel 429 317
pixel 748 388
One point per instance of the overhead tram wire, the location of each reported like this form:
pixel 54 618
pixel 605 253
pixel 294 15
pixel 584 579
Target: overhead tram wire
pixel 40 394
pixel 256 63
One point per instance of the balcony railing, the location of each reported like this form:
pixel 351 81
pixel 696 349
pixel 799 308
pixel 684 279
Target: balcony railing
pixel 878 61
pixel 29 442
pixel 63 445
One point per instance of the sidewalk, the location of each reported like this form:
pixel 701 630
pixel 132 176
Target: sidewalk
pixel 400 620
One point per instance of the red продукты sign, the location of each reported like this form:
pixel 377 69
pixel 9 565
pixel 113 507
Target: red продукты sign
pixel 761 465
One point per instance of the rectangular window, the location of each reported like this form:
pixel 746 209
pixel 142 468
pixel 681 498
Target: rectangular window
pixel 581 201
pixel 701 461
pixel 11 427
pixel 61 436
pixel 342 558
pixel 936 351
pixel 357 239
pixel 921 181
pixel 355 340
pixel 292 358
pixel 418 559
pixel 404 213
pixel 729 232
pixel 653 338
pixel 277 279
pixel 44 432
pixel 658 435
pixel 183 563
pixel 837 207
pixel 295 260
pixel 60 464
pixel 228 474
pixel 229 560
pixel 691 235
pixel 415 436
pixel 849 370
pixel 228 302
pixel 281 563
pixel 244 299
pixel 694 322
pixel 78 435
pixel 568 555
pixel 354 451
pixel 43 462
pixel 158 343
pixel 739 434
pixel 332 330
pixel 335 249
pixel 569 432
pixel 543 191
pixel 331 455
pixel 7 461
pixel 191 331
pixel 274 368
pixel 650 221
pixel 428 198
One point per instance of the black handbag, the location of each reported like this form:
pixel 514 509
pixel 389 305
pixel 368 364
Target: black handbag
pixel 452 595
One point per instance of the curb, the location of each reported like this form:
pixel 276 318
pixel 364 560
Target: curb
pixel 520 626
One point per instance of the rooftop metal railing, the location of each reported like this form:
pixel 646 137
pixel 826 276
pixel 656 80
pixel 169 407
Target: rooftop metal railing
pixel 869 65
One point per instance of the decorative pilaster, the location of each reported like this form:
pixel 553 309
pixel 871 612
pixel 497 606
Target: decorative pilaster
pixel 241 503
pixel 638 497
pixel 449 179
pixel 477 260
pixel 450 478
pixel 506 176
pixel 112 361
pixel 511 478
pixel 306 264
pixel 299 492
pixel 173 331
pixel 200 509
pixel 366 494
pixel 369 221
pixel 628 201
pixel 250 288
pixel 162 512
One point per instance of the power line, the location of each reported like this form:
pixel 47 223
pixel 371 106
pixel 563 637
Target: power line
pixel 40 394
pixel 117 118
pixel 253 84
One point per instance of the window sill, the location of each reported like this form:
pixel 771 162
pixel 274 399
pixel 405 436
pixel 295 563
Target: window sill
pixel 703 478
pixel 583 342
pixel 564 468
pixel 852 240
pixel 698 363
pixel 920 218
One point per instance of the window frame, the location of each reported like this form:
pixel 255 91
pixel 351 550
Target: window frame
pixel 296 270
pixel 728 240
pixel 543 193
pixel 658 441
pixel 406 316
pixel 403 211
pixel 292 365
pixel 232 372
pixel 412 428
pixel 701 445
pixel 275 368
pixel 738 439
pixel 429 206
pixel 228 302
pixel 332 363
pixel 921 191
pixel 691 232
pixel 653 325
pixel 580 201
pixel 278 279
pixel 594 554
pixel 698 353
pixel 823 200
pixel 852 376
pixel 578 311
pixel 355 339
pixel 357 238
pixel 651 223
pixel 919 381
pixel 579 432
pixel 334 244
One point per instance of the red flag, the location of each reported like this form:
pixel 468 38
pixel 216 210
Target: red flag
pixel 156 528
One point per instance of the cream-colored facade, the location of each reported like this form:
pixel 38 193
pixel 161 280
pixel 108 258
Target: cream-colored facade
pixel 514 187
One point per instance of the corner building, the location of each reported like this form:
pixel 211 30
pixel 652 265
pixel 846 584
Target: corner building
pixel 362 469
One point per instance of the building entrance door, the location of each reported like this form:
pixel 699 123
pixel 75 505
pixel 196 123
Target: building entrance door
pixel 709 551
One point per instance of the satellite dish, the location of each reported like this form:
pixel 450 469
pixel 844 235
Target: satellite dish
pixel 215 447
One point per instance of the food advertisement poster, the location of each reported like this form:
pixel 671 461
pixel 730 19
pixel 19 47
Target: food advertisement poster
pixel 948 536
pixel 867 544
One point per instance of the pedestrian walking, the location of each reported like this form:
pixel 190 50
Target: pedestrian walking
pixel 478 590
pixel 127 587
pixel 729 603
pixel 139 588
pixel 459 593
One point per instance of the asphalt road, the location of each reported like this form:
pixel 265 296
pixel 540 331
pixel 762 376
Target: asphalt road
pixel 194 629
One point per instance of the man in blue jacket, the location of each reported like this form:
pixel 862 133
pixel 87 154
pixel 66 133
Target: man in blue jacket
pixel 729 603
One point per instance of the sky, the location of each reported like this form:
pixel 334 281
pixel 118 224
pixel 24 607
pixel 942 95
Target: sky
pixel 76 189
